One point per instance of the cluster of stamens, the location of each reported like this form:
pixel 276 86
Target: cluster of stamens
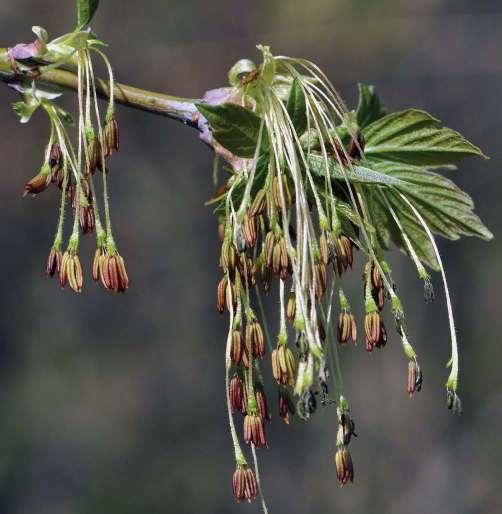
pixel 288 228
pixel 72 169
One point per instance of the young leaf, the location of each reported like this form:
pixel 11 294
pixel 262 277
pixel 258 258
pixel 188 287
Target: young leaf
pixel 385 228
pixel 369 108
pixel 85 11
pixel 233 126
pixel 238 190
pixel 415 137
pixel 445 207
pixel 415 232
pixel 297 108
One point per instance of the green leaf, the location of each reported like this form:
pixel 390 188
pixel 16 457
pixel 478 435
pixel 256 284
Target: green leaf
pixel 415 137
pixel 445 207
pixel 416 234
pixel 297 108
pixel 85 11
pixel 369 108
pixel 238 190
pixel 385 229
pixel 234 127
pixel 380 217
pixel 360 174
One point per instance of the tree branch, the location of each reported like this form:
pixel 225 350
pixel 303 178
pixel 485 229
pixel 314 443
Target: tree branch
pixel 177 108
pixel 181 109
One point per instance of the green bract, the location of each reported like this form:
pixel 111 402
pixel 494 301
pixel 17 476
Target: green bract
pixel 415 137
pixel 234 127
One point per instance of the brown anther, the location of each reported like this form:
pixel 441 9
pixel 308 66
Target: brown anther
pixel 284 365
pixel 372 273
pixel 276 259
pixel 79 276
pixel 246 267
pixel 122 274
pixel 86 217
pixel 55 163
pixel 347 328
pixel 221 231
pixel 228 258
pixel 236 347
pixel 221 295
pixel 284 254
pixel 382 340
pixel 53 262
pixel 63 278
pixel 259 203
pixel 111 136
pixel 113 274
pixel 112 271
pixel 237 394
pixel 104 271
pixel 344 467
pixel 98 254
pixel 71 271
pixel 372 329
pixel 320 280
pixel 286 405
pixel 94 157
pixel 244 484
pixel 262 272
pixel 254 339
pixel 415 378
pixel 254 431
pixel 323 249
pixel 343 253
pixel 269 247
pixel 291 306
pixel 245 356
pixel 250 231
pixel 261 401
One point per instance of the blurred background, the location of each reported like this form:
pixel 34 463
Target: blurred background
pixel 115 404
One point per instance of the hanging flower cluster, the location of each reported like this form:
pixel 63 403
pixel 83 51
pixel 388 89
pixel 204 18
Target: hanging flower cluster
pixel 311 182
pixel 71 163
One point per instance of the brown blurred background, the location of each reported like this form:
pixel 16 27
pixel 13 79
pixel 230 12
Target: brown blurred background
pixel 116 404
